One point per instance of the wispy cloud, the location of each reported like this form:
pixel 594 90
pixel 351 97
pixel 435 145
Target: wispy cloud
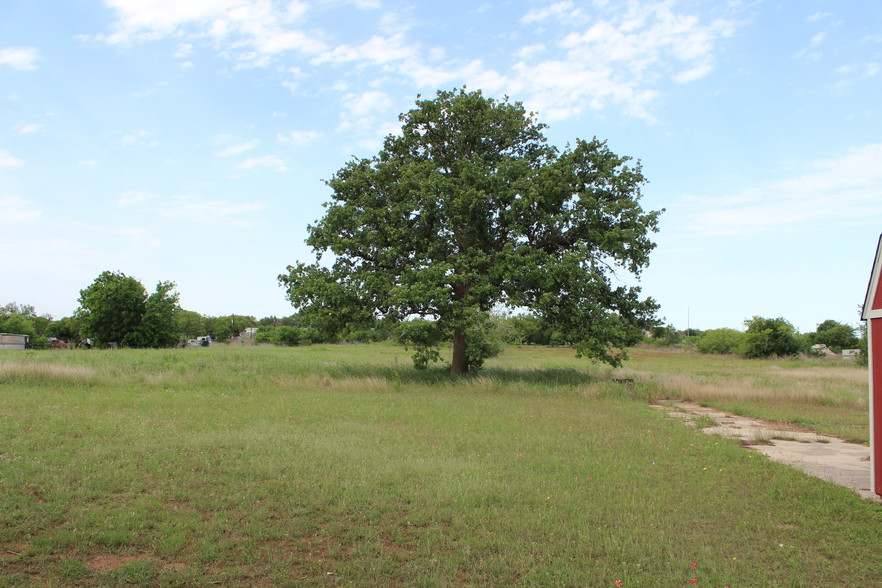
pixel 818 16
pixel 212 212
pixel 362 110
pixel 843 189
pixel 558 10
pixel 20 59
pixel 140 139
pixel 27 129
pixel 7 159
pixel 139 236
pixel 811 51
pixel 247 33
pixel 17 210
pixel 298 138
pixel 238 148
pixel 267 161
pixel 134 197
pixel 619 56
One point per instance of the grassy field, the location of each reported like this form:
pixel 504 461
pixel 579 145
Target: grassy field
pixel 341 465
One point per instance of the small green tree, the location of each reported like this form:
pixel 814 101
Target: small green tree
pixel 158 327
pixel 66 328
pixel 424 337
pixel 468 209
pixel 190 323
pixel 767 337
pixel 115 308
pixel 863 345
pixel 665 335
pixel 20 325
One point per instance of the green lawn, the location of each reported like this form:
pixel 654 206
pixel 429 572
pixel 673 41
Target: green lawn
pixel 341 465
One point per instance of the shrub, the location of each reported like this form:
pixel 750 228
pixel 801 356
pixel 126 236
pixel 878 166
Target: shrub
pixel 720 341
pixel 665 336
pixel 767 337
pixel 424 337
pixel 283 335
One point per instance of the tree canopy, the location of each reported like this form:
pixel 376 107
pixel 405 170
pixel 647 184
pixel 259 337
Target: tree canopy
pixel 767 337
pixel 116 308
pixel 469 208
pixel 835 335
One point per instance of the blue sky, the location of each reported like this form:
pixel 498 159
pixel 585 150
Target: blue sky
pixel 187 140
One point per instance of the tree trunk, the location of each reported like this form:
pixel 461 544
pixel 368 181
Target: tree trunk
pixel 459 365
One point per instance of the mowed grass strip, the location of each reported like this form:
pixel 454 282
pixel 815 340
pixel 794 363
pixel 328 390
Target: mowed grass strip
pixel 341 465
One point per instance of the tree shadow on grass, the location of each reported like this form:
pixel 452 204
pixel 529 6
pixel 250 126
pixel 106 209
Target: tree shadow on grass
pixel 538 377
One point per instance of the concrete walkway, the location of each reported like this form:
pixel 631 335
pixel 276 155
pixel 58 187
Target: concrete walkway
pixel 828 458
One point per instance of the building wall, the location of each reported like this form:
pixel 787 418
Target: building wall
pixel 12 341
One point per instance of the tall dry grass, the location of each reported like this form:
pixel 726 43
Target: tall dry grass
pixel 827 388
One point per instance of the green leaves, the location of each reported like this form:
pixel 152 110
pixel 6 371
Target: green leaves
pixel 469 208
pixel 115 308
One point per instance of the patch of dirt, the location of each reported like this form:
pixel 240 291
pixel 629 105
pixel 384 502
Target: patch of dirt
pixel 108 563
pixel 823 456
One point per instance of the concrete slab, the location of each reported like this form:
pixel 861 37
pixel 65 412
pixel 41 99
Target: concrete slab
pixel 823 456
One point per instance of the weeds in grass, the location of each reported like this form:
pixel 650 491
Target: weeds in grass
pixel 705 422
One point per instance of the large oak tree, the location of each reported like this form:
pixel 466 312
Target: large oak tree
pixel 470 208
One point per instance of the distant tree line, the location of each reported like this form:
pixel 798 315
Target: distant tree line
pixel 766 337
pixel 118 309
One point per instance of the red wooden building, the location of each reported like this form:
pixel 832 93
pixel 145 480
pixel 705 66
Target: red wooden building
pixel 872 313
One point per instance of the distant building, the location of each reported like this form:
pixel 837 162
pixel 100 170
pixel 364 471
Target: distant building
pixel 12 341
pixel 850 353
pixel 249 332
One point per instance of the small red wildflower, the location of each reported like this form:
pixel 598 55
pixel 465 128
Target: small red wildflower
pixel 693 580
pixel 618 582
pixel 694 565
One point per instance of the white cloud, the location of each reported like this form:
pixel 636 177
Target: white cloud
pixel 249 33
pixel 268 161
pixel 619 59
pixel 559 10
pixel 846 189
pixel 811 51
pixel 17 210
pixel 361 110
pixel 532 50
pixel 818 16
pixel 20 59
pixel 140 139
pixel 231 213
pixel 27 129
pixel 88 163
pixel 238 148
pixel 139 236
pixel 377 50
pixel 298 138
pixel 9 160
pixel 133 197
